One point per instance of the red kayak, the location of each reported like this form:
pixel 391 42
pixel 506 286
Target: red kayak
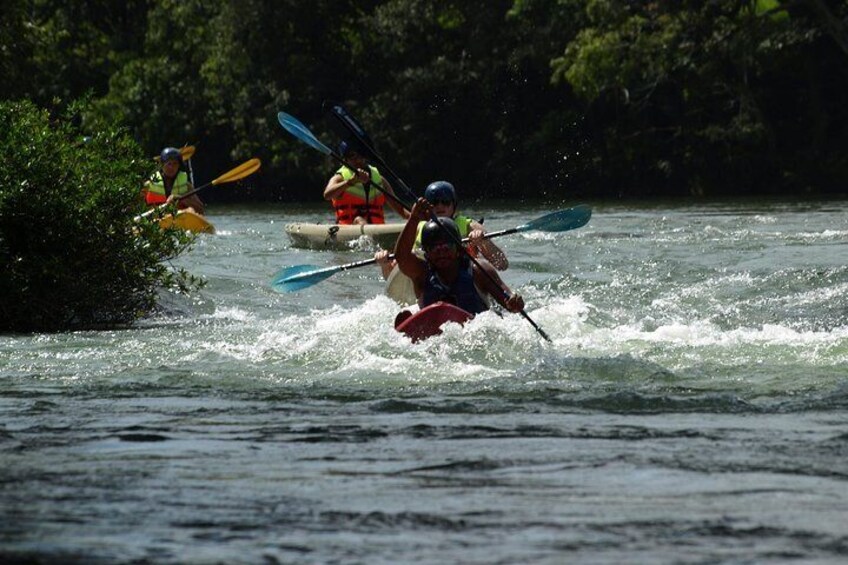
pixel 428 321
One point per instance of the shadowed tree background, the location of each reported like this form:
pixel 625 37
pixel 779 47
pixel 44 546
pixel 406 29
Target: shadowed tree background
pixel 510 98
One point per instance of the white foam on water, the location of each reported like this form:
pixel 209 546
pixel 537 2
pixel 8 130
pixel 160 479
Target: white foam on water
pixel 821 295
pixel 762 219
pixel 540 236
pixel 824 234
pixel 363 243
pixel 351 342
pixel 233 314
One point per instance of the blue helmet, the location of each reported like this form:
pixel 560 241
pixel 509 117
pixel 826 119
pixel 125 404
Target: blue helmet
pixel 346 148
pixel 432 233
pixel 440 191
pixel 171 154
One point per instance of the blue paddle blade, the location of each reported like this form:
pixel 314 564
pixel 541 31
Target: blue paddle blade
pixel 292 279
pixel 563 220
pixel 300 131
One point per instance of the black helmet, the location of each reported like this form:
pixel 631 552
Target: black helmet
pixel 346 148
pixel 440 191
pixel 432 233
pixel 171 154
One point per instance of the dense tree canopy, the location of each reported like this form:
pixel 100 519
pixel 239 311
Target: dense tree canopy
pixel 519 98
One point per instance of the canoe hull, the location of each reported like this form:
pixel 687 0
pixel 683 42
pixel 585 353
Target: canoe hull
pixel 332 236
pixel 428 321
pixel 187 220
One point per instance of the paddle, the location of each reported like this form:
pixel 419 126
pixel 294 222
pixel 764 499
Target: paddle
pixel 353 127
pixel 186 152
pixel 356 129
pixel 293 279
pixel 300 131
pixel 244 170
pixel 492 279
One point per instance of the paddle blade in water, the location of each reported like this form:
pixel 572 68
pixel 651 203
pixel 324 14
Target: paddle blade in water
pixel 292 279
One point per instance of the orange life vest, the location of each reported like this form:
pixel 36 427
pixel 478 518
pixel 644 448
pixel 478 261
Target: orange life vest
pixel 357 200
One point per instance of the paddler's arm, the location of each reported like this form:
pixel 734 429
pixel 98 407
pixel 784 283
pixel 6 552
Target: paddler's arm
pixel 176 198
pixel 337 184
pixel 410 264
pixel 515 303
pixel 402 212
pixel 193 202
pixel 487 247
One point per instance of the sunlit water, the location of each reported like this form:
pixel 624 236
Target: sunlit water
pixel 691 408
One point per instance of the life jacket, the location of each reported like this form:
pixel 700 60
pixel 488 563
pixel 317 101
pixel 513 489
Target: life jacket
pixel 462 222
pixel 357 200
pixel 464 225
pixel 156 193
pixel 462 293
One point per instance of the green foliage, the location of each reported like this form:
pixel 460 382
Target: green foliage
pixel 692 96
pixel 505 97
pixel 72 254
pixel 57 49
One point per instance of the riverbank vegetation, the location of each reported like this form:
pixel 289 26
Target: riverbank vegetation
pixel 73 255
pixel 507 98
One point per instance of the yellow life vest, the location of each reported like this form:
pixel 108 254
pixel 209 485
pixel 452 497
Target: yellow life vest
pixel 156 188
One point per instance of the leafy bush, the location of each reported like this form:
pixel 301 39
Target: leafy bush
pixel 72 255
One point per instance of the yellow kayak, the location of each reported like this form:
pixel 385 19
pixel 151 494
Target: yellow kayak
pixel 189 221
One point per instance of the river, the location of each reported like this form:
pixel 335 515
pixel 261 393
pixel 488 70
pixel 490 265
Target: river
pixel 692 408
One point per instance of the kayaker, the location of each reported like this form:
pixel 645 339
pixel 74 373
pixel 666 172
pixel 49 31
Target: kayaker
pixel 352 194
pixel 170 182
pixel 442 195
pixel 445 273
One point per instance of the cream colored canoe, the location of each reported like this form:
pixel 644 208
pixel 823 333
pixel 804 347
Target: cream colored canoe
pixel 332 236
pixel 187 220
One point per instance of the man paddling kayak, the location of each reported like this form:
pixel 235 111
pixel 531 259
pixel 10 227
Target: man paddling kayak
pixel 353 198
pixel 445 273
pixel 442 195
pixel 170 183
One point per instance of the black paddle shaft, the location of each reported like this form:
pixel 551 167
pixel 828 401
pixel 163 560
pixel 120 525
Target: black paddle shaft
pixel 388 194
pixel 363 139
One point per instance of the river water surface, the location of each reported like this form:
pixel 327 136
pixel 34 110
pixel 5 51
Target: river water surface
pixel 692 408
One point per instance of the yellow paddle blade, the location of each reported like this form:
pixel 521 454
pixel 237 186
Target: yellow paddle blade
pixel 245 169
pixel 186 152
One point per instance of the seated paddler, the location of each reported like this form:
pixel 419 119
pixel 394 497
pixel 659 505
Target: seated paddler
pixel 353 194
pixel 446 273
pixel 442 195
pixel 170 183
